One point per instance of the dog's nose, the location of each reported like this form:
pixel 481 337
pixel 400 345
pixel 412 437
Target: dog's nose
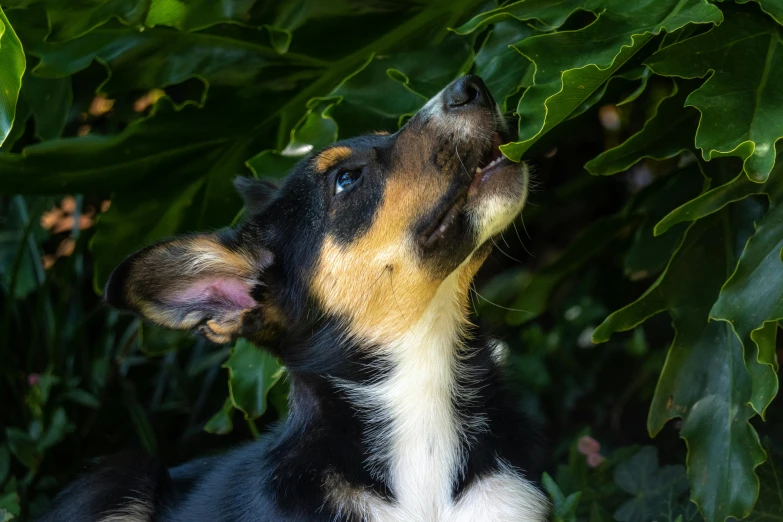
pixel 468 91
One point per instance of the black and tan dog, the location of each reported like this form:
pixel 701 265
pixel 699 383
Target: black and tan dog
pixel 355 272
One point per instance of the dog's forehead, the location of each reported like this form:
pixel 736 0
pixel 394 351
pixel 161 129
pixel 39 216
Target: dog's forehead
pixel 360 149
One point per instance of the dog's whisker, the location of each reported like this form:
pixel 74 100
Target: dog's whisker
pixel 503 237
pixel 504 252
pixel 520 237
pixel 456 151
pixel 500 306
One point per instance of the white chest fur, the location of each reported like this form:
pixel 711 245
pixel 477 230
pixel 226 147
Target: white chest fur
pixel 417 436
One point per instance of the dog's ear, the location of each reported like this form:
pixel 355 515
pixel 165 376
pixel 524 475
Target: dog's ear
pixel 256 193
pixel 201 282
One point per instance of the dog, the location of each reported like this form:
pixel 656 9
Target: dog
pixel 355 273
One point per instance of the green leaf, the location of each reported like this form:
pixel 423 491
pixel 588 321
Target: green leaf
pixel 643 77
pixel 751 302
pixel 762 363
pixel 500 65
pixel 389 88
pixel 50 102
pixel 648 253
pixel 23 447
pixel 19 127
pixel 363 110
pixel 20 246
pixel 552 489
pixel 704 380
pixel 103 163
pixel 668 132
pixel 221 423
pixel 81 17
pixel 159 57
pixel 598 94
pixel 10 506
pixel 741 103
pixel 640 73
pixel 714 200
pixel 769 507
pixel 773 8
pixel 83 397
pixel 752 295
pixel 551 13
pixel 572 65
pixel 568 511
pixel 564 507
pixel 279 38
pixel 12 66
pixel 653 488
pixel 316 129
pixel 198 14
pixel 251 374
pixel 58 427
pixel 74 19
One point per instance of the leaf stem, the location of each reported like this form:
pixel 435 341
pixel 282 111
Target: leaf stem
pixel 253 428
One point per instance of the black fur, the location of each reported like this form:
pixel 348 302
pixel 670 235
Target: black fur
pixel 113 486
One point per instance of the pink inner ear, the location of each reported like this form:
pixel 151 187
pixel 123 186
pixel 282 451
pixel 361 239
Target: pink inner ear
pixel 232 292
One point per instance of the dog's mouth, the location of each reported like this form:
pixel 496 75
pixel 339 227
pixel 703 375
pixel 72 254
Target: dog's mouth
pixel 489 165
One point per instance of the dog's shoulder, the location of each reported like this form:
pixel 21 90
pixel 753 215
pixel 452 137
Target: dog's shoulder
pixel 238 486
pixel 128 487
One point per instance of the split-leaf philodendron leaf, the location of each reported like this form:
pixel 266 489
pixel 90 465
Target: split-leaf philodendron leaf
pixel 571 65
pixel 704 380
pixel 741 103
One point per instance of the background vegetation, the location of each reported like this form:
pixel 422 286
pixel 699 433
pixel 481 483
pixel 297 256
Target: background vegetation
pixel 655 231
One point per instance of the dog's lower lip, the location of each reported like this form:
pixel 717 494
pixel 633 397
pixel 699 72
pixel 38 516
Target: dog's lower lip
pixel 483 173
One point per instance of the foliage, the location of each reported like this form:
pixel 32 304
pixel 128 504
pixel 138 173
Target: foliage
pixel 123 122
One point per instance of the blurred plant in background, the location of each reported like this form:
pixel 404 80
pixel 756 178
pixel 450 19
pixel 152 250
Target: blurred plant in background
pixel 123 122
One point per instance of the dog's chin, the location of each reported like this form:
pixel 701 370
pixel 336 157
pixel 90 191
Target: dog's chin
pixel 496 198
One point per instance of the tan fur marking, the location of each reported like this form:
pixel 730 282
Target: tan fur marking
pixel 381 133
pixel 385 288
pixel 331 157
pixel 211 255
pixel 225 328
pixel 377 281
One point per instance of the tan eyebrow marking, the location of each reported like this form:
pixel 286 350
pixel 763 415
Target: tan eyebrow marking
pixel 330 157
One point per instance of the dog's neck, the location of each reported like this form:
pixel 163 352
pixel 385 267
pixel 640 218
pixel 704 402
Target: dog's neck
pixel 413 428
pixel 403 428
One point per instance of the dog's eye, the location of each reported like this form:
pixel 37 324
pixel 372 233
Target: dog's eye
pixel 346 179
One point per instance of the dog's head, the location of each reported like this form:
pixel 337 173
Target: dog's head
pixel 363 233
